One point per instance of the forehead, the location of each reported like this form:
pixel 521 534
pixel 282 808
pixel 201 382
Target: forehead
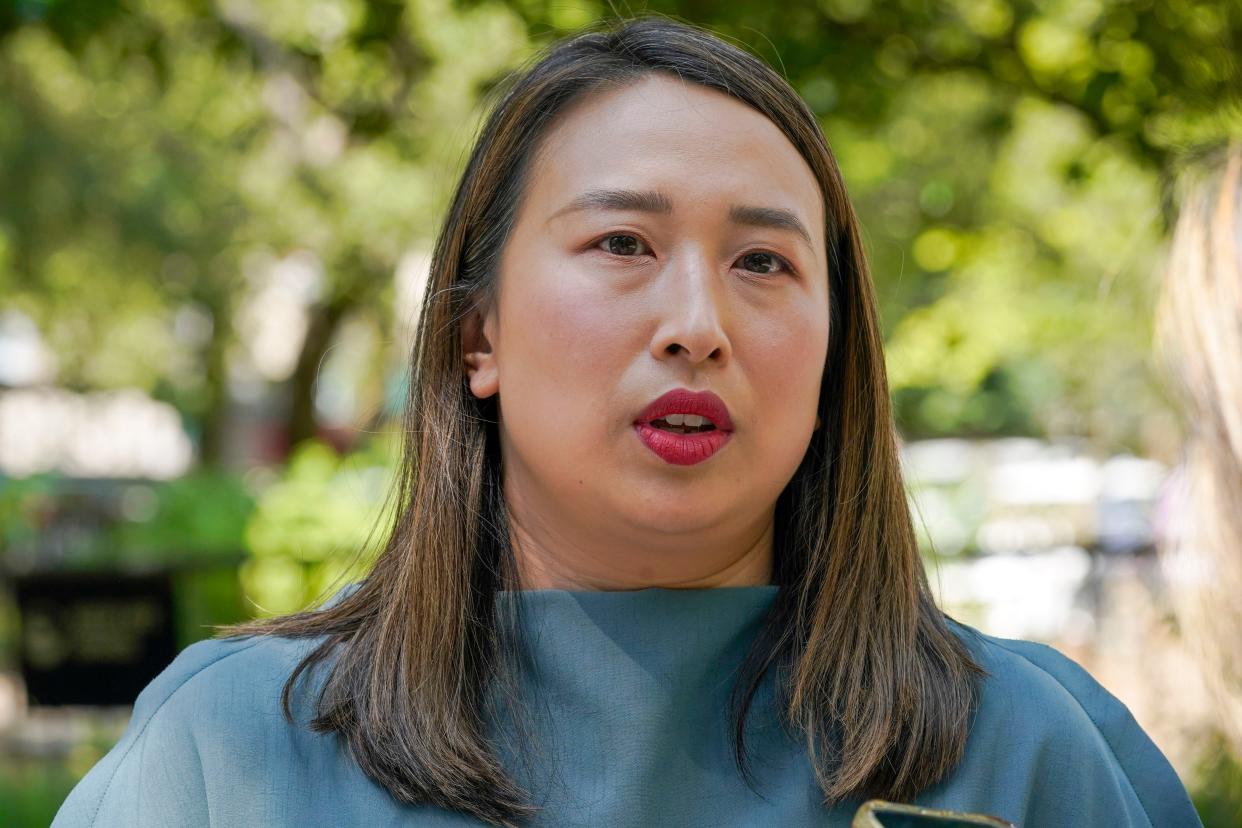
pixel 700 146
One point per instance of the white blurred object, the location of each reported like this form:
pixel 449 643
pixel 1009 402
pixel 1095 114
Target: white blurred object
pixel 274 317
pixel 12 699
pixel 24 358
pixel 938 462
pixel 412 274
pixel 102 434
pixel 1045 481
pixel 1125 477
pixel 1020 596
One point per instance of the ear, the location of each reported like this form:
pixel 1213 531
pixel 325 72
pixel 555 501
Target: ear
pixel 477 335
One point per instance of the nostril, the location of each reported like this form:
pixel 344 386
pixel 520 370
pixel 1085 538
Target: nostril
pixel 675 347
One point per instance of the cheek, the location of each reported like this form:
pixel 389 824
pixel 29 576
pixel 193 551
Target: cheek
pixel 787 363
pixel 564 348
pixel 568 329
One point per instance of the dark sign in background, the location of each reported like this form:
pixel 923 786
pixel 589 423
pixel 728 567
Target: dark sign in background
pixel 93 639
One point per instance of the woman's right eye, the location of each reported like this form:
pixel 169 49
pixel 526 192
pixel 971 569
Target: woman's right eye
pixel 621 244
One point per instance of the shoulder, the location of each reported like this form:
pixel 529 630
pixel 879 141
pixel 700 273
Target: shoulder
pixel 235 672
pixel 226 686
pixel 1042 709
pixel 203 715
pixel 1038 676
pixel 240 677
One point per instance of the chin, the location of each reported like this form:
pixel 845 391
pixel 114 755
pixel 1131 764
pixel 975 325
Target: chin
pixel 675 513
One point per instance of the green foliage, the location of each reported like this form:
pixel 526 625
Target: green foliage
pixel 32 792
pixel 193 520
pixel 193 526
pixel 1217 785
pixel 317 524
pixel 1010 162
pixel 155 157
pixel 32 788
pixel 24 506
pixel 201 514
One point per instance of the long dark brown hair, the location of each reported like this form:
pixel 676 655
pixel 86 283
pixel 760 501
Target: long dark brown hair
pixel 871 677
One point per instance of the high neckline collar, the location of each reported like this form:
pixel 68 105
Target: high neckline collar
pixel 677 644
pixel 624 688
pixel 711 617
pixel 754 589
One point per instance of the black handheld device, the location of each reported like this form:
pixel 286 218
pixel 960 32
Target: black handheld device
pixel 877 813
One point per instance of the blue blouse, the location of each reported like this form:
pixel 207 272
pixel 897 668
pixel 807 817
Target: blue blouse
pixel 629 696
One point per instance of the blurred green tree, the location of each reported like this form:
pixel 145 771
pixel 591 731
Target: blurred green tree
pixel 158 157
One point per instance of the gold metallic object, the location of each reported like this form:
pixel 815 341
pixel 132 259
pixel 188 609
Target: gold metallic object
pixel 877 813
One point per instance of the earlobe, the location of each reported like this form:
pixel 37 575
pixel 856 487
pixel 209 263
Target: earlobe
pixel 479 356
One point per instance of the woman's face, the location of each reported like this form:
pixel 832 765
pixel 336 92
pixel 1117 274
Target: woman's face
pixel 660 245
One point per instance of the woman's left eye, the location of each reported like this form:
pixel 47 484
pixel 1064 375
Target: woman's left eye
pixel 766 262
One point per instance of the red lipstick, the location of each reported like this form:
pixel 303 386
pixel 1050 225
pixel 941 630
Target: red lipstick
pixel 684 449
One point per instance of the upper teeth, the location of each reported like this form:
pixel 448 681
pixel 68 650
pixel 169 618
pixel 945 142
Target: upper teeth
pixel 692 420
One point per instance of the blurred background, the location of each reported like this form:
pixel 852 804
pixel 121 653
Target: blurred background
pixel 215 220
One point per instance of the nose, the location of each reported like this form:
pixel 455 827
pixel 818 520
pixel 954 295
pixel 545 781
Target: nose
pixel 692 311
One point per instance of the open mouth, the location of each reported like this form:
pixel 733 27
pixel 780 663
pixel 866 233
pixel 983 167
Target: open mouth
pixel 688 438
pixel 678 425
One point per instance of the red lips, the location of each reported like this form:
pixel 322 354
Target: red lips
pixel 685 449
pixel 684 401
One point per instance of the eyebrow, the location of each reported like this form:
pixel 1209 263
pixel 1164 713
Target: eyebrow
pixel 652 201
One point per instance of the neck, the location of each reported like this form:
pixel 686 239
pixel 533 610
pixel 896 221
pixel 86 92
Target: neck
pixel 551 559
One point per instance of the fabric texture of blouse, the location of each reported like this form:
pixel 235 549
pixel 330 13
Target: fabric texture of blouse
pixel 628 692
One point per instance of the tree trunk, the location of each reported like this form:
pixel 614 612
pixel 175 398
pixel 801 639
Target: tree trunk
pixel 325 320
pixel 215 415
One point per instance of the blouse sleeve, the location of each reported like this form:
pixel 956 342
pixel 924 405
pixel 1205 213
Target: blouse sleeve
pixel 1127 755
pixel 154 775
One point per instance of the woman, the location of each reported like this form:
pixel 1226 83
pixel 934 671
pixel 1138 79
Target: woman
pixel 653 563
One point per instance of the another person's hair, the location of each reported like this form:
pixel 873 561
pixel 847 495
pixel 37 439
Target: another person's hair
pixel 1200 332
pixel 871 677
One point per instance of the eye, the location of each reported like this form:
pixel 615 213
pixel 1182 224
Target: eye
pixel 621 244
pixel 764 262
